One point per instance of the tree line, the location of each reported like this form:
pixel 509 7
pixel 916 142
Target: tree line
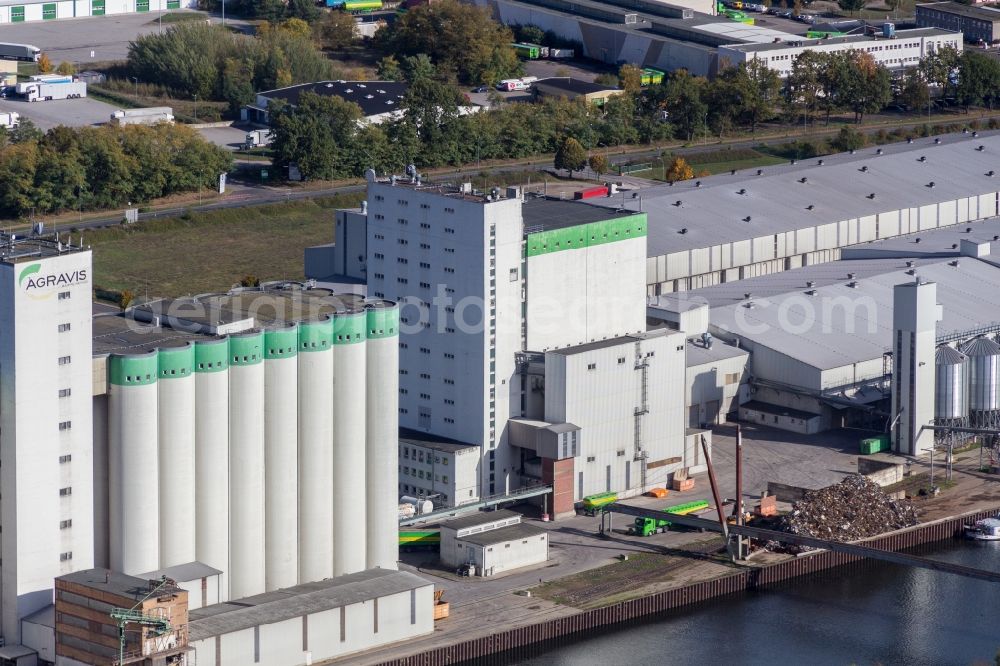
pixel 101 167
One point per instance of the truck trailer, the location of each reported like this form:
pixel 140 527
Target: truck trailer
pixel 147 116
pixel 9 119
pixel 650 526
pixel 35 91
pixel 257 139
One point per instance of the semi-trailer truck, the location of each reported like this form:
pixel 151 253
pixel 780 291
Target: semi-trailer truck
pixel 257 139
pixel 35 91
pixel 9 119
pixel 20 52
pixel 147 116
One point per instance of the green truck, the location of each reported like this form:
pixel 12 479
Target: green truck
pixel 594 503
pixel 650 526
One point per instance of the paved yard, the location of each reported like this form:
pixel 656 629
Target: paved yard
pixel 70 112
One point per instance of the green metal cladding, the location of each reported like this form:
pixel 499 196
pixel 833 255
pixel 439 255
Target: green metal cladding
pixel 176 362
pixel 382 322
pixel 133 370
pixel 211 356
pixel 315 335
pixel 246 349
pixel 349 329
pixel 587 235
pixel 281 343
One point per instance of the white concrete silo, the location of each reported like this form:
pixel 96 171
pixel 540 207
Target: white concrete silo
pixel 132 456
pixel 281 467
pixel 315 361
pixel 176 405
pixel 246 465
pixel 348 489
pixel 211 419
pixel 382 435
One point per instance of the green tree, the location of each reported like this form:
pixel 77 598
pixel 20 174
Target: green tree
pixel 939 67
pixel 978 80
pixel 599 164
pixel 688 111
pixel 803 86
pixel 66 68
pixel 335 31
pixel 388 69
pixel 25 131
pixel 914 93
pixel 606 79
pixel 851 6
pixel 679 169
pixel 571 156
pixel 893 5
pixel 531 34
pixel 431 108
pixel 861 84
pixel 44 64
pixel 317 135
pixel 418 67
pixel 237 83
pixel 758 87
pixel 457 37
pixel 630 78
pixel 849 139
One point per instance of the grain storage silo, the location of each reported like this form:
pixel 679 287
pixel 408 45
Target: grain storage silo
pixel 348 490
pixel 176 405
pixel 211 429
pixel 132 457
pixel 951 392
pixel 315 458
pixel 246 465
pixel 382 434
pixel 281 468
pixel 984 380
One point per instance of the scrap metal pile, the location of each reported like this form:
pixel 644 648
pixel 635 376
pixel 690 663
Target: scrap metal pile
pixel 853 509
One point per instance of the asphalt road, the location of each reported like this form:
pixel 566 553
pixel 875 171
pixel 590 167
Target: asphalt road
pixel 71 112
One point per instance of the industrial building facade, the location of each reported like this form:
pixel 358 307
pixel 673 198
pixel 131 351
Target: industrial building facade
pixel 977 24
pixel 68 9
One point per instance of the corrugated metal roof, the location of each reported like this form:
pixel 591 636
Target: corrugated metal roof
pixel 512 533
pixel 480 518
pixel 946 355
pixel 777 201
pixel 981 347
pixel 840 325
pixel 300 600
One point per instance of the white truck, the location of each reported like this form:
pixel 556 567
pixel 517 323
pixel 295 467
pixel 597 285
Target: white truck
pixel 9 119
pixel 146 116
pixel 257 138
pixel 35 91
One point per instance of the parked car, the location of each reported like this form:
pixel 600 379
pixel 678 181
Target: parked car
pixel 481 89
pixel 805 18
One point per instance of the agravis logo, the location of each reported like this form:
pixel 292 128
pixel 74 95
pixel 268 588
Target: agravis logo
pixel 32 281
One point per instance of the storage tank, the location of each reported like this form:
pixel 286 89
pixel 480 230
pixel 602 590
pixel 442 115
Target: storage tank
pixel 132 455
pixel 246 465
pixel 348 489
pixel 951 393
pixel 382 434
pixel 281 451
pixel 176 390
pixel 983 374
pixel 211 431
pixel 316 515
pixel 421 506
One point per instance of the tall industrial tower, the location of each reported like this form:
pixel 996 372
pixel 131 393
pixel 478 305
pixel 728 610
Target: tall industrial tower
pixel 915 314
pixel 46 473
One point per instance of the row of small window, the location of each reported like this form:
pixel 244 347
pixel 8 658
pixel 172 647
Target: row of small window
pixel 419 473
pixel 413 489
pixel 404 410
pixel 418 455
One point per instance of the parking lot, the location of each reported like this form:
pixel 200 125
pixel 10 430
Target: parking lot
pixel 69 112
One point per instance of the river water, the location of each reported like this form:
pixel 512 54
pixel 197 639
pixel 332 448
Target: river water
pixel 865 614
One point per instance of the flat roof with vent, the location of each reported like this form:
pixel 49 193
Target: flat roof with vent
pixel 374 97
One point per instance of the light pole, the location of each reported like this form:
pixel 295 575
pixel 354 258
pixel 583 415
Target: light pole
pixel 196 108
pixel 136 81
pixel 223 13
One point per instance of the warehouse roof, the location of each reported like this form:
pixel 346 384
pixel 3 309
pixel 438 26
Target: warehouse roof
pixel 957 8
pixel 433 442
pixel 838 189
pixel 612 342
pixel 480 518
pixel 839 324
pixel 850 39
pixel 374 97
pixel 504 534
pixel 697 354
pixel 116 333
pixel 299 600
pixel 546 214
pixel 940 242
pixel 113 582
pixel 778 410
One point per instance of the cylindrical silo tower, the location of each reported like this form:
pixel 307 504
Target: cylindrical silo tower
pixel 246 465
pixel 132 456
pixel 176 389
pixel 951 387
pixel 348 491
pixel 382 434
pixel 211 426
pixel 281 467
pixel 984 380
pixel 315 450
